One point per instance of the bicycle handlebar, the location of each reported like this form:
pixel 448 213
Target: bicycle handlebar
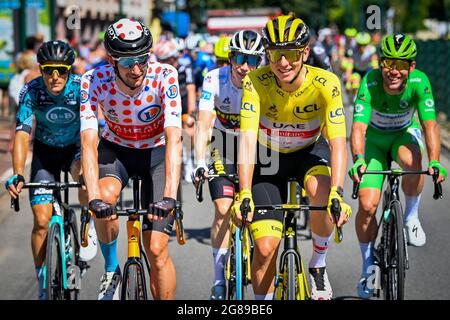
pixel 397 172
pixel 47 185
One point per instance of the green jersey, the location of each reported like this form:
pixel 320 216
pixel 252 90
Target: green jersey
pixel 388 113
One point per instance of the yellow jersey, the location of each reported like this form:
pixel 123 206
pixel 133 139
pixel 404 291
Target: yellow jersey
pixel 290 121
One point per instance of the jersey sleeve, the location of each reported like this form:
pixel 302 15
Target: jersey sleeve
pixel 89 99
pixel 209 89
pixel 250 107
pixel 363 107
pixel 335 115
pixel 24 117
pixel 171 99
pixel 425 101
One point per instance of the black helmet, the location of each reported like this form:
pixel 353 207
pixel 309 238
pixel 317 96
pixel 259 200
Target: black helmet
pixel 56 51
pixel 126 38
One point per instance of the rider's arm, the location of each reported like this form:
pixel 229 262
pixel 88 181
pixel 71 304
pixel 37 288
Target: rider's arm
pixel 172 131
pixel 24 124
pixel 89 135
pixel 172 160
pixel 335 123
pixel 206 116
pixel 203 133
pixel 357 139
pixel 249 126
pixel 427 115
pixel 89 162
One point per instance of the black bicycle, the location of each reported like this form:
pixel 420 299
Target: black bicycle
pixel 63 268
pixel 391 253
pixel 133 283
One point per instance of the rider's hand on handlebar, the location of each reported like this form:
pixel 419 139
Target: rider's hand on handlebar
pixel 346 210
pixel 358 167
pixel 101 209
pixel 197 174
pixel 442 171
pixel 14 185
pixel 238 207
pixel 161 209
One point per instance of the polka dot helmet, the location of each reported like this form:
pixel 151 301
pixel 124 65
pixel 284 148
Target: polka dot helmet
pixel 127 38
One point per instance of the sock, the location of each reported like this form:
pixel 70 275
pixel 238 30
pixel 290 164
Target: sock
pixel 40 274
pixel 220 256
pixel 109 251
pixel 367 256
pixel 412 207
pixel 268 296
pixel 320 248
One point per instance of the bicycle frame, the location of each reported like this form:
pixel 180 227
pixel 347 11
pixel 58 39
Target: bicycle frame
pixel 391 198
pixel 60 210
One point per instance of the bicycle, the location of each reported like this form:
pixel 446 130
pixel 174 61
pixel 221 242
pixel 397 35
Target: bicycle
pixel 290 280
pixel 240 246
pixel 391 254
pixel 134 284
pixel 62 266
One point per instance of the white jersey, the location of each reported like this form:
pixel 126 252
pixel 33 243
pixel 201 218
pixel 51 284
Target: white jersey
pixel 137 121
pixel 362 60
pixel 222 97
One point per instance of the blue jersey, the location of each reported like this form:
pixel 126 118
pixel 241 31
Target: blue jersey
pixel 57 117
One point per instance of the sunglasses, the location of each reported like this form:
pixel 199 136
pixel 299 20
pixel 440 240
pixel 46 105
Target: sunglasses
pixel 60 69
pixel 398 64
pixel 129 62
pixel 252 61
pixel 291 55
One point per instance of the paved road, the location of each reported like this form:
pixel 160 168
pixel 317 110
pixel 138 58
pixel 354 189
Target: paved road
pixel 427 278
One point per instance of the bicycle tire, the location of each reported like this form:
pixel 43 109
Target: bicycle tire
pixel 230 271
pixel 239 266
pixel 291 286
pixel 133 283
pixel 396 255
pixel 72 257
pixel 53 261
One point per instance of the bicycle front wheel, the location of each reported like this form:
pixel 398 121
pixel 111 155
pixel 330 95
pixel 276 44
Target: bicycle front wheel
pixel 72 250
pixel 396 255
pixel 291 280
pixel 53 261
pixel 134 283
pixel 239 266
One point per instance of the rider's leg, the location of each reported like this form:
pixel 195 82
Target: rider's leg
pixel 76 172
pixel 267 233
pixel 317 188
pixel 407 150
pixel 219 238
pixel 156 233
pixel 163 281
pixel 107 229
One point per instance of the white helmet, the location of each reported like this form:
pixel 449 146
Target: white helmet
pixel 165 49
pixel 247 42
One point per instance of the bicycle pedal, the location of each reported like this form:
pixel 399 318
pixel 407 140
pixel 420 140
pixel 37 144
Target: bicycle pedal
pixel 73 277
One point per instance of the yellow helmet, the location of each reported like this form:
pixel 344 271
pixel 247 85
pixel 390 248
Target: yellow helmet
pixel 222 47
pixel 285 32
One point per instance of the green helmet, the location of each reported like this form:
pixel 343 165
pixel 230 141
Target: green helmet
pixel 398 46
pixel 363 38
pixel 350 32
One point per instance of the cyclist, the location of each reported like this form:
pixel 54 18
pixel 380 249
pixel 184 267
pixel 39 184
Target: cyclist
pixel 219 110
pixel 142 108
pixel 385 129
pixel 285 106
pixel 54 101
pixel 361 60
pixel 221 51
pixel 167 52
